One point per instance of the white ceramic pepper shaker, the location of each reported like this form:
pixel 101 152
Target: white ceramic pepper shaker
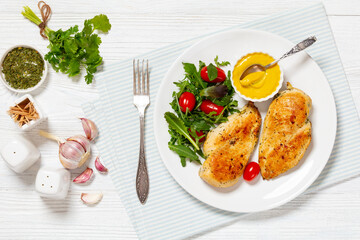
pixel 53 182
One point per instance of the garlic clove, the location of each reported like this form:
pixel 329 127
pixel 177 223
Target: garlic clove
pixel 68 163
pixel 84 158
pixel 83 141
pixel 71 149
pixel 99 166
pixel 90 128
pixel 84 176
pixel 73 163
pixel 91 198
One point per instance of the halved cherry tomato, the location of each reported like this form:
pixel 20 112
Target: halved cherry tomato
pixel 221 76
pixel 208 106
pixel 187 100
pixel 251 171
pixel 199 134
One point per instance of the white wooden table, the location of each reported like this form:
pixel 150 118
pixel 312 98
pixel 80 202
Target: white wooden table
pixel 139 26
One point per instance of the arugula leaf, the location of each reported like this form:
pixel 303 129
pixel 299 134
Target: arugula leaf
pixel 183 161
pixel 184 151
pixel 222 64
pixel 189 68
pixel 212 72
pixel 201 125
pixel 175 123
pixel 193 75
pixel 201 65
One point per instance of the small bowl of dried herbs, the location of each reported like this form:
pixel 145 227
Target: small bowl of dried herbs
pixel 23 68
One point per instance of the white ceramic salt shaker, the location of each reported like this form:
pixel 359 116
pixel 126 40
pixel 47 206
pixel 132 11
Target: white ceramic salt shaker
pixel 19 154
pixel 52 182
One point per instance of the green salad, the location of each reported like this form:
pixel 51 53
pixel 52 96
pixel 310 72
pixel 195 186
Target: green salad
pixel 203 100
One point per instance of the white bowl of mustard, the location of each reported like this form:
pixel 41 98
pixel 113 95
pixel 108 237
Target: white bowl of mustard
pixel 259 86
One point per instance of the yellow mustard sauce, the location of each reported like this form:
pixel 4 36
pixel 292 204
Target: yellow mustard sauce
pixel 259 84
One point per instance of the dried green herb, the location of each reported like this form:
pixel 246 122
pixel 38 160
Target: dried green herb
pixel 23 67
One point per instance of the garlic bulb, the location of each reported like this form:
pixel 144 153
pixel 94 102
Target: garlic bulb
pixel 90 128
pixel 73 152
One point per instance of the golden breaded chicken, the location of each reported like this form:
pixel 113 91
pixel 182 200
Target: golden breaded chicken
pixel 228 147
pixel 286 133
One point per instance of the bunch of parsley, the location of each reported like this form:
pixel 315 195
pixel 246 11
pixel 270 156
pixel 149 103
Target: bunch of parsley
pixel 183 126
pixel 71 49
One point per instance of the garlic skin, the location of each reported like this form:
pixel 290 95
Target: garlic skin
pixel 84 176
pixel 91 198
pixel 90 128
pixel 98 165
pixel 74 152
pixel 83 141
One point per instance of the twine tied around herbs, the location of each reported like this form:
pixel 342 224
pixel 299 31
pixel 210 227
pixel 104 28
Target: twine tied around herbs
pixel 45 11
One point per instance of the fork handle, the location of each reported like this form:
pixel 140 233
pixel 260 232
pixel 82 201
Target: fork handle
pixel 298 48
pixel 142 177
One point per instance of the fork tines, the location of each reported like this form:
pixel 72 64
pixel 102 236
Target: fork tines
pixel 139 85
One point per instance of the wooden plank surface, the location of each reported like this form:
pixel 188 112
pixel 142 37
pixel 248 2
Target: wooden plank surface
pixel 140 26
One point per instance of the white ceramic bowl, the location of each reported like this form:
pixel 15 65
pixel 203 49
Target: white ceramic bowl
pixel 281 80
pixel 42 80
pixel 32 123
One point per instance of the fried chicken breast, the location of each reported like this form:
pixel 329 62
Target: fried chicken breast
pixel 286 132
pixel 228 147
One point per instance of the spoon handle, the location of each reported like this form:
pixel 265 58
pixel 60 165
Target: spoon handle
pixel 298 48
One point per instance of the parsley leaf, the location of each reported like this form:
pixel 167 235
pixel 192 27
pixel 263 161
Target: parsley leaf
pixel 71 49
pixel 101 22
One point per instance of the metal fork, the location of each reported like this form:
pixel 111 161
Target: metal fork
pixel 141 101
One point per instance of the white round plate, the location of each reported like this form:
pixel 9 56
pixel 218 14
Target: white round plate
pixel 303 73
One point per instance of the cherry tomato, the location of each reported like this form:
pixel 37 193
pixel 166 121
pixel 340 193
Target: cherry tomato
pixel 208 106
pixel 251 171
pixel 187 100
pixel 199 133
pixel 221 76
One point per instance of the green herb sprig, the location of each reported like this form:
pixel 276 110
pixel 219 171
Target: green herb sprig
pixel 71 49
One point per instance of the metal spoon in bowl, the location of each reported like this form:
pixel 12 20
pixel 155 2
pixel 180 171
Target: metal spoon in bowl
pixel 260 68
